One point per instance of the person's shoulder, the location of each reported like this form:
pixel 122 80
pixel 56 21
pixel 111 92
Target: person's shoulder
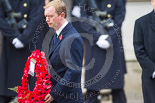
pixel 143 18
pixel 72 29
pixel 73 32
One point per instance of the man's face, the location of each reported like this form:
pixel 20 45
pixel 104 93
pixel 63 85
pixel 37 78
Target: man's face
pixel 153 4
pixel 52 18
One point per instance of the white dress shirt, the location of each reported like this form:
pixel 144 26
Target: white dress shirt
pixel 61 28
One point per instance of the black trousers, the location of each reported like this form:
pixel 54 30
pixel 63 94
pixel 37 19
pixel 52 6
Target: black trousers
pixel 118 96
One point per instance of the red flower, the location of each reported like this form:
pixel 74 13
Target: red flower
pixel 60 37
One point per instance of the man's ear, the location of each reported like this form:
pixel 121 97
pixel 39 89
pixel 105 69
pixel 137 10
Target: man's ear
pixel 62 15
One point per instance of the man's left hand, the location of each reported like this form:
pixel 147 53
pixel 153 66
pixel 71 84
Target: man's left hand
pixel 48 98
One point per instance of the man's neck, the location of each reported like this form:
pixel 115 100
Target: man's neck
pixel 61 23
pixel 61 27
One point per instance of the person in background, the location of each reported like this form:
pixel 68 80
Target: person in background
pixel 143 42
pixel 23 28
pixel 112 77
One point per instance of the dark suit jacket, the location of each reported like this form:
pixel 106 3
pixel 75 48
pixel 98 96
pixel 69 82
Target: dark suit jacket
pixel 144 40
pixel 66 59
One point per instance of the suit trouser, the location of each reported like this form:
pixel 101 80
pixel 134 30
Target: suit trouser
pixel 118 96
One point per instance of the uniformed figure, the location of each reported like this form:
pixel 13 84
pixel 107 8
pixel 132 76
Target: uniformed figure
pixel 143 45
pixel 21 34
pixel 105 68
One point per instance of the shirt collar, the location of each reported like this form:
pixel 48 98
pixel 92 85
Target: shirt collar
pixel 61 28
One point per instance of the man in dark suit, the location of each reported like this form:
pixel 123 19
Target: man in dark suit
pixel 17 44
pixel 144 34
pixel 66 54
pixel 109 63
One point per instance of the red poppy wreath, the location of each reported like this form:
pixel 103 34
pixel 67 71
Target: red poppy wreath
pixel 43 83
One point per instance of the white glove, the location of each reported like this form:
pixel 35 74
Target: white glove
pixel 153 75
pixel 102 43
pixel 76 11
pixel 17 43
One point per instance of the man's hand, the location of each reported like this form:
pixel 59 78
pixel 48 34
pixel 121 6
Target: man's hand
pixel 17 43
pixel 48 98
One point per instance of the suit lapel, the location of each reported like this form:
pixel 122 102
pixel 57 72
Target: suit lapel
pixel 51 44
pixel 63 33
pixel 55 45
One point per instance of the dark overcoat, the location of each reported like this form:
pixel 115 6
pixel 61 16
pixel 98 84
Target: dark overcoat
pixel 104 68
pixel 144 39
pixel 13 60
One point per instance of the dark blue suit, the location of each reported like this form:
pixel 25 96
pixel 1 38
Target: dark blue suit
pixel 109 65
pixel 66 59
pixel 13 60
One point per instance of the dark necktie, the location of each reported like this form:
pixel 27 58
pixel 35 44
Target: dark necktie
pixel 55 38
pixel 54 41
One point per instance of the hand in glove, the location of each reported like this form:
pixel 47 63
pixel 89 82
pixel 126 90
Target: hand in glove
pixel 153 75
pixel 102 42
pixel 17 43
pixel 76 11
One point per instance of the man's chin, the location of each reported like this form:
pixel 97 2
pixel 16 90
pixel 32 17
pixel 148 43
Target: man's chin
pixel 50 26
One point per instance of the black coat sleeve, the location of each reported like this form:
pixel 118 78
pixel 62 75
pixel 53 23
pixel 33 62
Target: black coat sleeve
pixel 119 13
pixel 5 27
pixel 34 18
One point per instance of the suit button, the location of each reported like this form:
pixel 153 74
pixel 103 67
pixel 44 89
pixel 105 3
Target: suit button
pixel 109 6
pixel 25 15
pixel 25 4
pixel 108 15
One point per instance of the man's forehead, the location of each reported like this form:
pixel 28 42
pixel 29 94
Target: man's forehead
pixel 50 10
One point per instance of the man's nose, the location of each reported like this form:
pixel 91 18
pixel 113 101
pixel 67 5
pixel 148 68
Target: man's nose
pixel 47 19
